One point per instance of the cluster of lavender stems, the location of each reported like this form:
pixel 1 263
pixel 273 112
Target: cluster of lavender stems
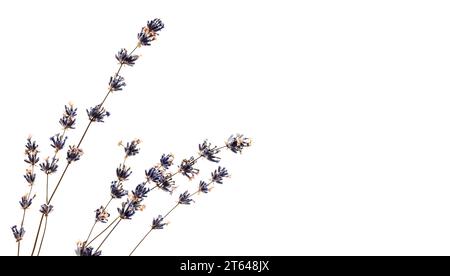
pixel 159 176
pixel 162 178
pixel 96 114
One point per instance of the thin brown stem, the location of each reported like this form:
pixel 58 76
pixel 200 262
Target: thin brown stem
pixel 107 236
pixel 141 241
pixel 106 206
pixel 164 217
pixel 46 191
pixel 79 144
pixel 59 182
pixel 101 233
pixel 43 235
pixel 37 235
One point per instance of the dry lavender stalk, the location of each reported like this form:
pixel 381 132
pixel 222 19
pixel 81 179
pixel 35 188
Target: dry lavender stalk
pixel 163 179
pixel 116 189
pixel 58 141
pixel 31 158
pixel 96 114
pixel 158 175
pixel 185 198
pixel 235 144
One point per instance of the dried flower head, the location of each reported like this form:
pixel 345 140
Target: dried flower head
pixel 58 141
pixel 166 184
pixel 209 152
pixel 117 190
pixel 116 83
pixel 97 114
pixel 236 143
pixel 158 223
pixel 32 159
pixel 187 168
pixel 204 187
pixel 31 152
pixel 46 209
pixel 68 119
pixel 49 167
pixel 131 149
pixel 219 174
pixel 149 32
pixel 74 153
pixel 31 146
pixel 30 177
pixel 84 251
pixel 143 39
pixel 139 193
pixel 26 201
pixel 101 215
pixel 154 175
pixel 166 161
pixel 18 233
pixel 123 172
pixel 126 59
pixel 185 198
pixel 127 211
pixel 154 26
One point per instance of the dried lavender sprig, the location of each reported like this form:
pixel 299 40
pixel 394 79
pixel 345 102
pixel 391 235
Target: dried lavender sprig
pixel 185 198
pixel 153 27
pixel 117 191
pixel 58 142
pixel 155 175
pixel 134 203
pixel 31 153
pixel 129 207
pixel 236 143
pixel 164 180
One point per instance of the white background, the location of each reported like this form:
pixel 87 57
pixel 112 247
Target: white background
pixel 347 102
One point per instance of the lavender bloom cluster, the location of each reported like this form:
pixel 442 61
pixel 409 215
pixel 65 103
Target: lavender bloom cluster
pixel 161 176
pixel 31 158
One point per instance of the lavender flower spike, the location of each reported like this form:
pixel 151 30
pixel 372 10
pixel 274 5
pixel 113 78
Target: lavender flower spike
pixel 18 233
pixel 236 143
pixel 117 190
pixel 26 201
pixel 185 198
pixel 126 59
pixel 131 149
pixel 209 152
pixel 58 141
pixel 187 168
pixel 49 167
pixel 68 119
pixel 97 114
pixel 46 209
pixel 218 175
pixel 74 153
pixel 116 83
pixel 101 215
pixel 158 223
